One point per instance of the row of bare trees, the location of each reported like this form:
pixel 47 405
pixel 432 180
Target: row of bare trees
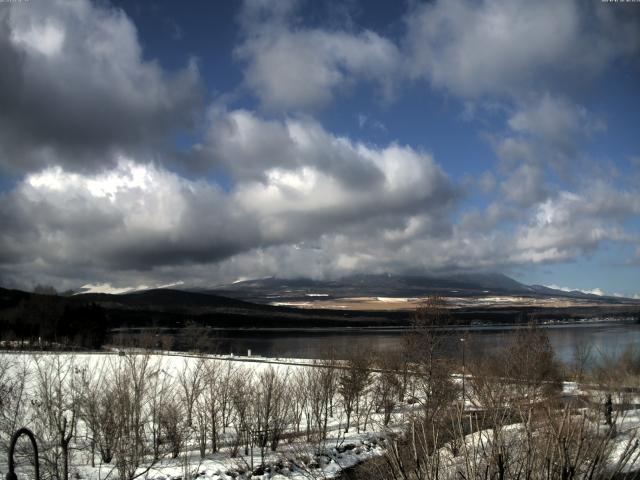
pixel 513 421
pixel 123 414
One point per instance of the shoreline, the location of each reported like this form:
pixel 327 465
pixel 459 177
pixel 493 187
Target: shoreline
pixel 391 329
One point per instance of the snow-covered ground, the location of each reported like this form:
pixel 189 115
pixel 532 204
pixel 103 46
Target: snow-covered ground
pixel 295 457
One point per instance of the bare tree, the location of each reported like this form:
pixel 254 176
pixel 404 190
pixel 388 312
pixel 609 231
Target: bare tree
pixel 132 379
pixel 94 410
pixel 299 399
pixel 190 379
pixel 272 406
pixel 225 383
pixel 13 379
pixel 173 428
pixel 582 355
pixel 530 362
pixel 211 420
pixel 431 377
pixel 353 380
pixel 321 384
pixel 202 420
pixel 56 413
pixel 243 409
pixel 614 374
pixel 387 385
pixel 159 388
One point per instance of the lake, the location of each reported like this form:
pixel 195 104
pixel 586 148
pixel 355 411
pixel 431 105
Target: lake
pixel 608 338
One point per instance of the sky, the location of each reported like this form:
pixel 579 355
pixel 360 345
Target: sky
pixel 198 143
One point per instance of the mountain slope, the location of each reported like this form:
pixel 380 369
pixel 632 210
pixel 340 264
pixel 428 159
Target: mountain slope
pixel 265 290
pixel 167 299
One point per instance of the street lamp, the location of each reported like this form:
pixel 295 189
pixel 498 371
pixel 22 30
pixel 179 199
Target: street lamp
pixel 11 475
pixel 463 374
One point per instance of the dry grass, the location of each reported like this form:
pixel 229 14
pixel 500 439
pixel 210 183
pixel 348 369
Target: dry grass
pixel 411 303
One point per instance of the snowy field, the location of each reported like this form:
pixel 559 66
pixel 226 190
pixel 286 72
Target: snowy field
pixel 268 418
pixel 304 454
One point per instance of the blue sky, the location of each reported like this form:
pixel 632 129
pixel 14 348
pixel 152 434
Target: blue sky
pixel 151 143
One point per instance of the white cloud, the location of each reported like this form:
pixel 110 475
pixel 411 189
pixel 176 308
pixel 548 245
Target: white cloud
pixel 498 48
pixel 46 38
pixel 526 185
pixel 136 217
pixel 143 225
pixel 267 151
pixel 549 131
pixel 593 291
pixel 554 119
pixel 296 176
pixel 365 121
pixel 140 217
pixel 514 150
pixel 297 199
pixel 504 47
pixel 546 137
pixel 292 67
pixel 570 223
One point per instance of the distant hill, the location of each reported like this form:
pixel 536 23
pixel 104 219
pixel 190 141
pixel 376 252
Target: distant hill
pixel 264 290
pixel 91 320
pixel 165 299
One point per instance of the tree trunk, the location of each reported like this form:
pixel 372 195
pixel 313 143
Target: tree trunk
pixel 65 460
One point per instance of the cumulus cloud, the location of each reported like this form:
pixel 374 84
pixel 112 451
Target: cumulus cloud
pixel 134 217
pixel 310 201
pixel 290 66
pixel 526 186
pixel 139 217
pixel 555 120
pixel 569 224
pixel 295 173
pixel 142 225
pixel 249 146
pixel 86 119
pixel 303 202
pixel 494 48
pixel 558 226
pixel 76 90
pixel 505 48
pixel 545 136
pixel 548 131
pixel 521 62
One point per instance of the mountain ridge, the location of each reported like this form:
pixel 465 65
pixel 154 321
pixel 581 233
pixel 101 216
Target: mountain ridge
pixel 362 285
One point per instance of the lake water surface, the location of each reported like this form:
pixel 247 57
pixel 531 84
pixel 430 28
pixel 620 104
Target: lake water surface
pixel 604 338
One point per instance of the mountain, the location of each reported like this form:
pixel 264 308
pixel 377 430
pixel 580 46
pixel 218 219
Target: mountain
pixel 93 319
pixel 542 290
pixel 164 299
pixel 265 290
